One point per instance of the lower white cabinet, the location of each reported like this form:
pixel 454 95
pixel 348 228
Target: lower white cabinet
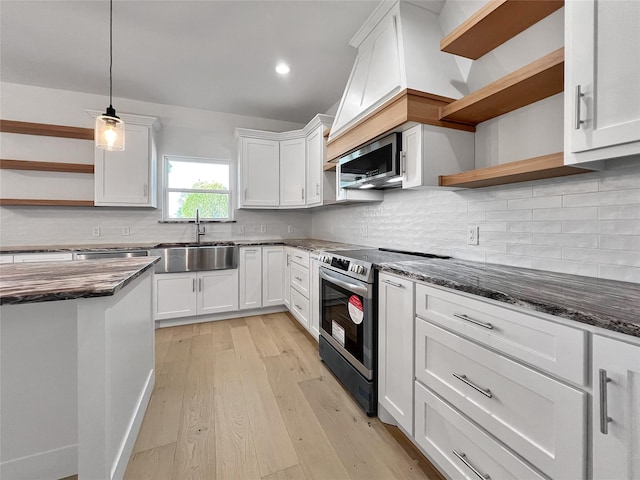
pixel 300 308
pixel 177 295
pixel 273 273
pixel 395 348
pixel 250 266
pixel 616 409
pixel 301 299
pixel 460 448
pixel 42 257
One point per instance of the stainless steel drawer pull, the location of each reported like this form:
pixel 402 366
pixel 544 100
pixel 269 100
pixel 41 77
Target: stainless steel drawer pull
pixel 298 307
pixel 462 316
pixel 579 96
pixel 604 416
pixel 393 284
pixel 298 278
pixel 298 256
pixel 464 379
pixel 463 459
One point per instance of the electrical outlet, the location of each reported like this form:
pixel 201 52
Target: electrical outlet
pixel 126 231
pixel 95 232
pixel 289 228
pixel 472 235
pixel 240 229
pixel 263 229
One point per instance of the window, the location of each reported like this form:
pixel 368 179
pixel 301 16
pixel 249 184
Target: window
pixel 192 184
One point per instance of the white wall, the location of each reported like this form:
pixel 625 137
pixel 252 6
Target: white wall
pixel 184 131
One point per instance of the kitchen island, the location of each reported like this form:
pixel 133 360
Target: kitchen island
pixel 77 366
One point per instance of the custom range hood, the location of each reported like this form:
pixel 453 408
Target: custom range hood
pixel 399 76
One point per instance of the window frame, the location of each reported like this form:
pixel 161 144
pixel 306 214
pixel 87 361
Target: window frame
pixel 166 190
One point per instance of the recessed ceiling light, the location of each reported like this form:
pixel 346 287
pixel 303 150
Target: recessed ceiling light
pixel 282 68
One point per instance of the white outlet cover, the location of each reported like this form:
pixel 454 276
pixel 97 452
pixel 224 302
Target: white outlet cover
pixel 472 235
pixel 95 231
pixel 240 229
pixel 290 228
pixel 263 229
pixel 126 231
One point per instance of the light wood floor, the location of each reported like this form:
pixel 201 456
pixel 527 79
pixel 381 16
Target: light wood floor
pixel 249 398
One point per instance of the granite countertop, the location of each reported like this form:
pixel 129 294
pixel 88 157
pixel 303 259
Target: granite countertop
pixel 51 281
pixel 608 304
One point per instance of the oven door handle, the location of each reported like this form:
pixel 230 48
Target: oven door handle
pixel 352 287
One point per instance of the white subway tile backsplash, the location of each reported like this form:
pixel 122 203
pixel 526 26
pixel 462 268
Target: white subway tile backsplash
pixel 489 205
pixel 565 186
pixel 619 181
pixel 585 213
pixel 565 266
pixel 580 226
pixel 619 212
pixel 601 256
pixel 512 260
pixel 507 237
pixel 536 227
pixel 619 272
pixel 536 202
pixel 613 197
pixel 509 216
pixel 535 251
pixel 566 240
pixel 619 227
pixel 620 242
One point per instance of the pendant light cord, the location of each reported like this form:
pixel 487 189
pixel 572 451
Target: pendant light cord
pixel 110 53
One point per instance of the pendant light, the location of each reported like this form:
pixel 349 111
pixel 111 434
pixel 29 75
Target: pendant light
pixel 109 131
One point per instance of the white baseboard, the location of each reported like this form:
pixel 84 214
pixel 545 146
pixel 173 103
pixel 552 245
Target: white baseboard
pixel 49 465
pixel 122 458
pixel 174 322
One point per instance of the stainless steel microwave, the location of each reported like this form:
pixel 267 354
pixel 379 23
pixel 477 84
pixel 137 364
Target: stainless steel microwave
pixel 376 165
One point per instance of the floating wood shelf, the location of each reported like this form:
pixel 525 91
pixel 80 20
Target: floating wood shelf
pixel 329 166
pixel 12 126
pixel 537 168
pixel 407 106
pixel 46 166
pixel 529 84
pixel 495 23
pixel 31 202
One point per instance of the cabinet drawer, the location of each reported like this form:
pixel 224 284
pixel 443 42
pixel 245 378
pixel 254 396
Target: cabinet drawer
pixel 539 417
pixel 43 257
pixel 301 257
pixel 441 430
pixel 300 279
pixel 300 308
pixel 556 348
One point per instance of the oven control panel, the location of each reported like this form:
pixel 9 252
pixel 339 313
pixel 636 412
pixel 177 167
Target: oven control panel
pixel 359 269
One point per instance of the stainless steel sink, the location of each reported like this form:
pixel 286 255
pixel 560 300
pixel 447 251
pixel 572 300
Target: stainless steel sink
pixel 196 258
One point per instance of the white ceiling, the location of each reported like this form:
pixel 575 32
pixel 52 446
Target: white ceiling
pixel 212 55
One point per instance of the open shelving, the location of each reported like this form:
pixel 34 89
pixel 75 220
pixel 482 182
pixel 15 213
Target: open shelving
pixel 495 23
pixel 46 166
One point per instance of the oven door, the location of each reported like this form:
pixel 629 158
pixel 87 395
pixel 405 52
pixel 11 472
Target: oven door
pixel 347 318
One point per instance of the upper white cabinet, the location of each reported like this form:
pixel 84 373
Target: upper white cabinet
pixel 259 168
pixel 429 151
pixel 616 409
pixel 602 78
pixel 315 156
pixel 128 178
pixel 292 173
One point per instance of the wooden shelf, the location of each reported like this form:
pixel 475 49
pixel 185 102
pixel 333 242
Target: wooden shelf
pixel 529 84
pixel 46 166
pixel 329 166
pixel 495 23
pixel 45 203
pixel 12 126
pixel 407 106
pixel 537 168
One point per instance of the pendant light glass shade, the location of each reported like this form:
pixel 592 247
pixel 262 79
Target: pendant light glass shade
pixel 109 130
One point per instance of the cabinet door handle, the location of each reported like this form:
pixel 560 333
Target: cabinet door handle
pixel 303 194
pixel 288 259
pixel 146 190
pixel 199 284
pixel 463 459
pixel 317 189
pixel 244 194
pixel 604 416
pixel 462 316
pixel 193 287
pixel 463 378
pixel 298 256
pixel 298 278
pixel 393 284
pixel 579 96
pixel 297 306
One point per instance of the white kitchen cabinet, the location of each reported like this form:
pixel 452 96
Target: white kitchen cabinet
pixel 174 295
pixel 429 151
pixel 395 348
pixel 259 168
pixel 128 178
pixel 6 258
pixel 177 295
pixel 43 257
pixel 301 299
pixel 602 74
pixel 287 277
pixel 273 273
pixel 314 300
pixel 250 277
pixel 217 291
pixel 616 409
pixel 300 308
pixel 315 155
pixel 292 173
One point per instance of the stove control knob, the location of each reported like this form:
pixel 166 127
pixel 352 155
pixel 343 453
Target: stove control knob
pixel 362 270
pixel 324 258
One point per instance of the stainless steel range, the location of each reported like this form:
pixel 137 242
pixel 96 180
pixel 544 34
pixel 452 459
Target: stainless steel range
pixel 349 318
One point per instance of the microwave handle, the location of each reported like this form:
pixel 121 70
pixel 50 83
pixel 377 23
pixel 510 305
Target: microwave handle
pixel 352 287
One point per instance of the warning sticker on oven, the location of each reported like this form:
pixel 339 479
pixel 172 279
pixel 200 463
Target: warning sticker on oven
pixel 337 332
pixel 356 310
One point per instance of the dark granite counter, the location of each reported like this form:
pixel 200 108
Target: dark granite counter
pixel 51 281
pixel 608 304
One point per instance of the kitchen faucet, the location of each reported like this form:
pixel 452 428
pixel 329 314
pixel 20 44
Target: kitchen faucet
pixel 199 232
